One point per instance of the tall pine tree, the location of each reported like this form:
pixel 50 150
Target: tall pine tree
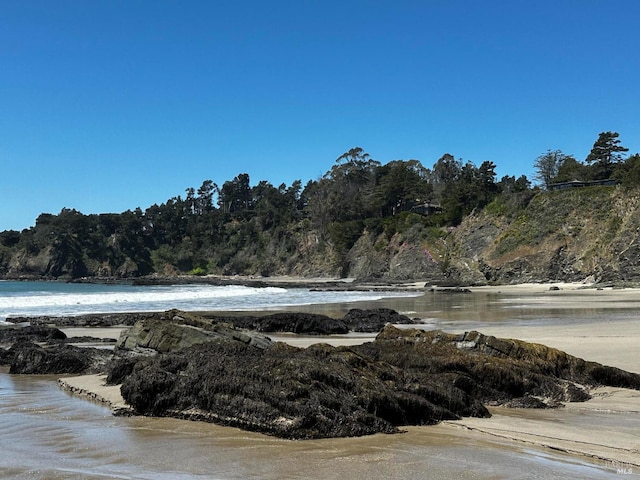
pixel 606 152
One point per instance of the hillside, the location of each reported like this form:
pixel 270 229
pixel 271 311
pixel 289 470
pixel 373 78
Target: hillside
pixel 570 235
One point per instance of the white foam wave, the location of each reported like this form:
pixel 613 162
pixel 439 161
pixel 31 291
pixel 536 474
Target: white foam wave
pixel 171 294
pixel 81 299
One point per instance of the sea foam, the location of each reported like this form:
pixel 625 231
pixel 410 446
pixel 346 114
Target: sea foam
pixel 39 298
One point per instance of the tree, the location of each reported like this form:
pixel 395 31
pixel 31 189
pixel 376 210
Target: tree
pixel 629 173
pixel 205 197
pixel 606 152
pixel 400 186
pixel 445 173
pixel 446 170
pixel 469 188
pixel 510 184
pixel 351 182
pixel 547 166
pixel 487 181
pixel 571 169
pixel 235 195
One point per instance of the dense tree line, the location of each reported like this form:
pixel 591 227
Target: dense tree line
pixel 240 228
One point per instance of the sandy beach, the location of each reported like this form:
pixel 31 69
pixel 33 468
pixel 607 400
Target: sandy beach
pixel 569 429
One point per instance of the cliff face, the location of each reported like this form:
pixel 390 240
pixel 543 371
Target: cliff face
pixel 572 235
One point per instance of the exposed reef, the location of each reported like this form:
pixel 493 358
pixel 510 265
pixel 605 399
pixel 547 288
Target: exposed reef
pixel 184 365
pixel 405 377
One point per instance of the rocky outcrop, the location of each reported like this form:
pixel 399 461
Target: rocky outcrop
pixel 284 391
pixel 161 336
pixel 513 366
pixel 404 377
pixel 399 258
pixel 183 365
pixel 42 350
pixel 356 320
pixel 33 333
pixel 87 320
pixel 301 323
pixel 567 235
pixel 28 358
pixel 294 322
pixel 373 320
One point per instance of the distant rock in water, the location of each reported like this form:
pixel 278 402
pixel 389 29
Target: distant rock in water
pixel 293 322
pixel 373 320
pixel 404 377
pixel 356 320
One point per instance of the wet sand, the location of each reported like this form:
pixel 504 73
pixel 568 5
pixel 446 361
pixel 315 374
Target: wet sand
pixel 613 413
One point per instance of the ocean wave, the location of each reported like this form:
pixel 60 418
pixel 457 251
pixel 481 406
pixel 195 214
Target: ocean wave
pixel 72 299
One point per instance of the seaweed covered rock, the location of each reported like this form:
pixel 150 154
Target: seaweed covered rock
pixel 356 320
pixel 373 320
pixel 41 349
pixel 404 377
pixel 37 333
pixel 26 357
pixel 508 368
pixel 293 322
pixel 87 320
pixel 321 391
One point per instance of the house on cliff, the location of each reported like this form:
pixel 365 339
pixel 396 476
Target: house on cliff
pixel 580 183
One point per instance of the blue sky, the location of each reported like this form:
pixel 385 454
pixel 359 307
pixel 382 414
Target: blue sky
pixel 110 105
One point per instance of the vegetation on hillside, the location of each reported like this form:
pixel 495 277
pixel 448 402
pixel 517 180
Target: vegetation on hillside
pixel 262 229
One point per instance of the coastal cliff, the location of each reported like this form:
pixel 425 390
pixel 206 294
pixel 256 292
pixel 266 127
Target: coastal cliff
pixel 582 234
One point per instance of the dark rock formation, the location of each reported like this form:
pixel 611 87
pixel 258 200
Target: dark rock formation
pixel 42 350
pixel 501 369
pixel 373 320
pixel 161 336
pixel 43 334
pixel 285 391
pixel 405 377
pixel 194 368
pixel 27 357
pixel 88 320
pixel 10 335
pixel 356 320
pixel 301 323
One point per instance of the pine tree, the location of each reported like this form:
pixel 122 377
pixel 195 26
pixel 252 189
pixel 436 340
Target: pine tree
pixel 606 150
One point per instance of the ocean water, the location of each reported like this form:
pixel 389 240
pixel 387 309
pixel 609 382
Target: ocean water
pixel 19 299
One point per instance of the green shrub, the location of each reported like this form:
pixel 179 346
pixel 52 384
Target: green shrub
pixel 198 271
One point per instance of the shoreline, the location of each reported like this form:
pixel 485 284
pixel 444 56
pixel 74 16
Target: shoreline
pixel 339 283
pixel 92 387
pixel 548 429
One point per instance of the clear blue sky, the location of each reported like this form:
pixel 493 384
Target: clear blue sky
pixel 110 105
